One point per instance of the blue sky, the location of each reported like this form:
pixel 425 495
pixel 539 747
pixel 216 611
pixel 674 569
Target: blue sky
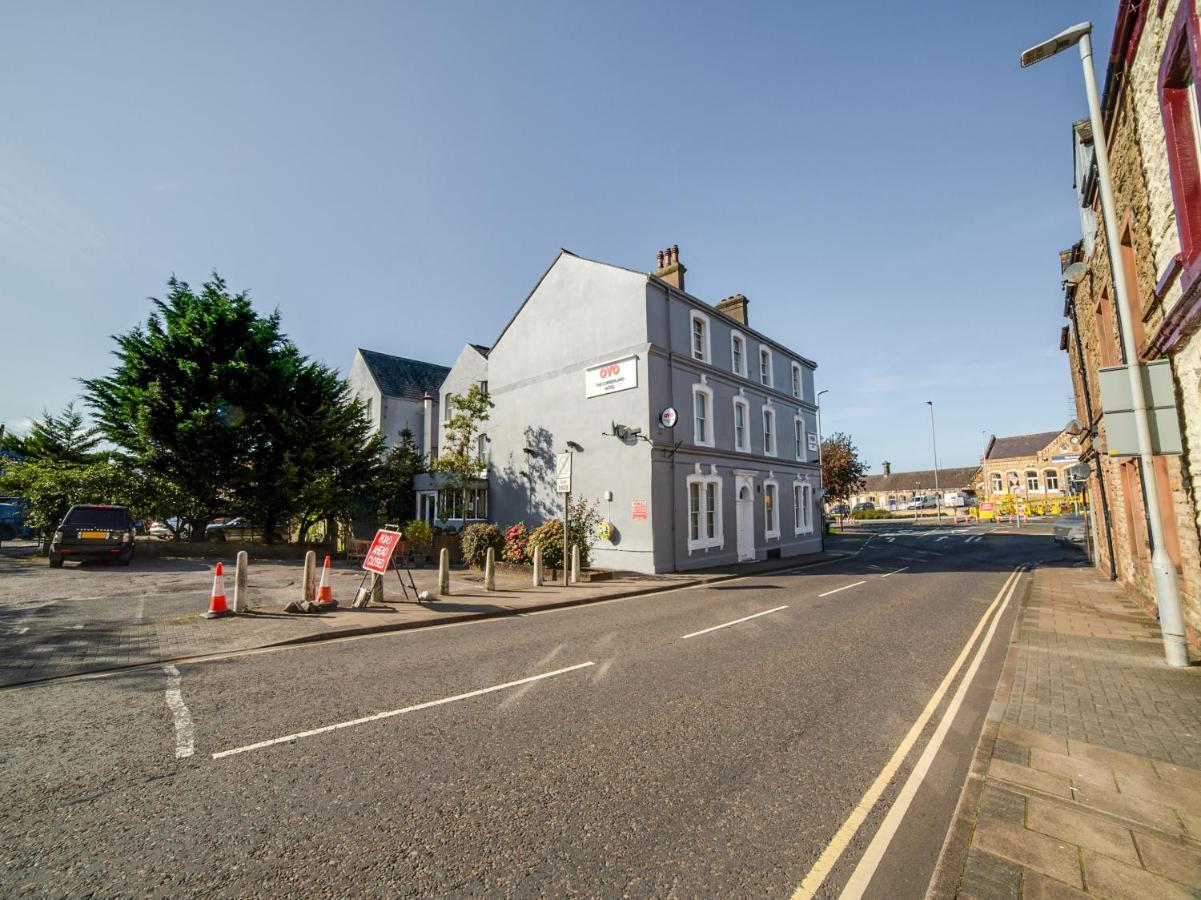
pixel 880 179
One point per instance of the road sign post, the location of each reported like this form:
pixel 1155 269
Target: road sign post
pixel 563 486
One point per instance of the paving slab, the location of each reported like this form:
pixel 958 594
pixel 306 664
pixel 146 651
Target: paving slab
pixel 1098 742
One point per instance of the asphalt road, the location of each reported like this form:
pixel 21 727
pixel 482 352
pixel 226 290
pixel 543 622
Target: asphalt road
pixel 657 761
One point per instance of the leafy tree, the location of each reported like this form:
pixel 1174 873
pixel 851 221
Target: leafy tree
pixel 842 469
pixel 190 391
pixel 459 461
pixel 62 438
pixel 214 400
pixel 400 465
pixel 50 487
pixel 331 455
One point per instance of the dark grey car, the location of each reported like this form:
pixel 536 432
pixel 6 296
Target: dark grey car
pixel 93 532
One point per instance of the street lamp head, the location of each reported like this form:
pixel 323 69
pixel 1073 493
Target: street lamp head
pixel 574 446
pixel 1067 38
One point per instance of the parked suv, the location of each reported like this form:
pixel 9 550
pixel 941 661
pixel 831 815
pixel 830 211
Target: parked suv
pixel 863 505
pixel 93 532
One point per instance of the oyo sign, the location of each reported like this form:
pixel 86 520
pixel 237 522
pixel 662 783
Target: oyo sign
pixel 611 377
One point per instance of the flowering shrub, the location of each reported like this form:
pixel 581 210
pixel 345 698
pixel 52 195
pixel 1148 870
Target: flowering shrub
pixel 517 547
pixel 582 531
pixel 477 539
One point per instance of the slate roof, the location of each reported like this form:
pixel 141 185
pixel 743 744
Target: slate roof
pixel 948 480
pixel 1020 444
pixel 481 349
pixel 400 377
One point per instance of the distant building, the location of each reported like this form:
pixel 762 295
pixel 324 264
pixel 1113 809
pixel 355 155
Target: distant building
pixel 399 393
pixel 894 490
pixel 1030 467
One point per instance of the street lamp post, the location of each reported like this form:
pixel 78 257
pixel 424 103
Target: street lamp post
pixel 934 442
pixel 1167 592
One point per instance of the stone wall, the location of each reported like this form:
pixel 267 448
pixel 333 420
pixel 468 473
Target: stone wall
pixel 1142 194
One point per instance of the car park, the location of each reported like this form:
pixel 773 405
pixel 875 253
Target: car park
pixel 93 532
pixel 1069 530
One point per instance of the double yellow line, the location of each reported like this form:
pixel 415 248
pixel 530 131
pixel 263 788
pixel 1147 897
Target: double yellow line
pixel 842 838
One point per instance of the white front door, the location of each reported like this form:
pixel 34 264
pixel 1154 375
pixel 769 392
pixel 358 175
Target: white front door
pixel 745 505
pixel 427 505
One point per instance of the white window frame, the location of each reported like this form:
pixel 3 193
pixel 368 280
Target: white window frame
pixel 1037 481
pixel 703 319
pixel 766 378
pixel 1054 473
pixel 798 383
pixel 802 507
pixel 708 485
pixel 997 482
pixel 734 367
pixel 743 446
pixel 798 437
pixel 769 446
pixel 771 488
pixel 706 439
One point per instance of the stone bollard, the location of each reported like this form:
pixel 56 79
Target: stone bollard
pixel 490 570
pixel 538 566
pixel 308 581
pixel 240 576
pixel 444 573
pixel 377 588
pixel 575 563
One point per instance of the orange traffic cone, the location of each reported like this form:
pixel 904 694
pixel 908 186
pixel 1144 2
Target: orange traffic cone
pixel 217 607
pixel 325 593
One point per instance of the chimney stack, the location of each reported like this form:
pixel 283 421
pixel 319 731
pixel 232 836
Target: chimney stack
pixel 669 267
pixel 734 307
pixel 887 469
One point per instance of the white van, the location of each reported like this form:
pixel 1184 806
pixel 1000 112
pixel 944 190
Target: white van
pixel 956 499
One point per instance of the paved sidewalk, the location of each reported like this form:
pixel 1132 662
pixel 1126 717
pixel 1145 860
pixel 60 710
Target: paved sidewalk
pixel 71 621
pixel 1087 780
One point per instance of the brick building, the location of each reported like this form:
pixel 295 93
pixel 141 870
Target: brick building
pixel 1030 469
pixel 1153 134
pixel 893 490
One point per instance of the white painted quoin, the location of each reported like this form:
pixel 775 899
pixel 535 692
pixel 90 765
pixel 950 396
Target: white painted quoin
pixel 596 354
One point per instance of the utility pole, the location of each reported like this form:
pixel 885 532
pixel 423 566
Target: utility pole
pixel 934 441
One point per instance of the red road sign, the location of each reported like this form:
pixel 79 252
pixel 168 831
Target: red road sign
pixel 380 553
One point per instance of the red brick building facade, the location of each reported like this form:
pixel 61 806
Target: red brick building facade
pixel 1153 134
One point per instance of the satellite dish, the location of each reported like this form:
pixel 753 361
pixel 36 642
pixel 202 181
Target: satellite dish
pixel 1080 471
pixel 1074 274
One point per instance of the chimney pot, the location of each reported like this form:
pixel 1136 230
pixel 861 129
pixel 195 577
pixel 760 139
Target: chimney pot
pixel 660 259
pixel 887 468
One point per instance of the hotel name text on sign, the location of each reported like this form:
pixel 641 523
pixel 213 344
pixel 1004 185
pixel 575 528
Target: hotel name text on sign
pixel 611 377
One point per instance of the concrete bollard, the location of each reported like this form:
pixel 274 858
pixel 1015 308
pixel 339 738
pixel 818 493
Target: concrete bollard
pixel 538 566
pixel 444 573
pixel 575 563
pixel 490 570
pixel 240 576
pixel 308 581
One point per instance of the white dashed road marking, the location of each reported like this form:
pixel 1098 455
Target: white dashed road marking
pixel 903 569
pixel 288 738
pixel 736 621
pixel 183 719
pixel 845 587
